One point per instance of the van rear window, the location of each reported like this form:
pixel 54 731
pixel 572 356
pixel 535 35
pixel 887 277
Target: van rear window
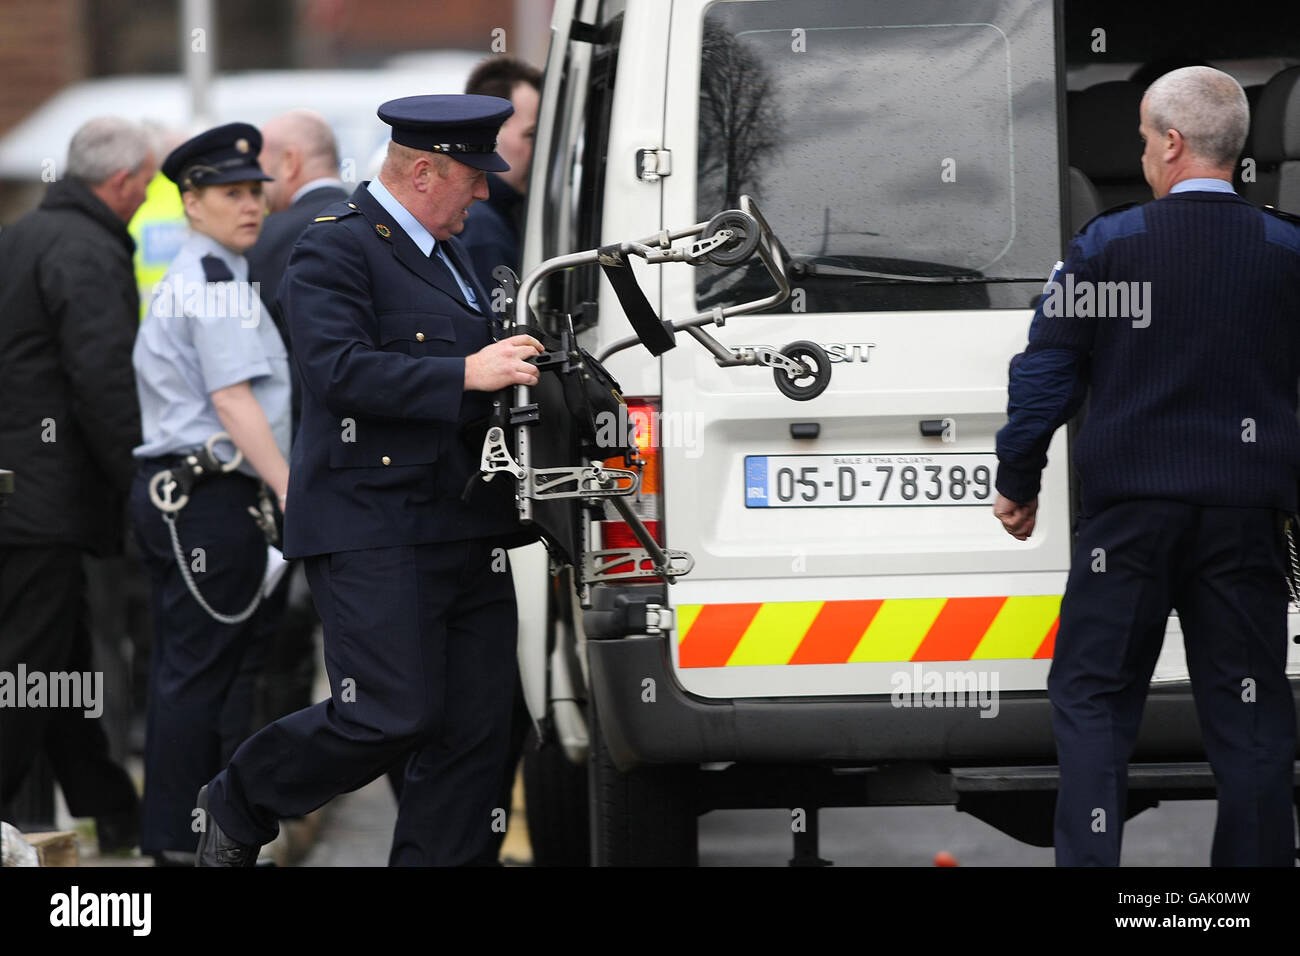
pixel 907 139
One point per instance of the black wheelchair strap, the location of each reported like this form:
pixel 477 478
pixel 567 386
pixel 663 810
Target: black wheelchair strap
pixel 654 334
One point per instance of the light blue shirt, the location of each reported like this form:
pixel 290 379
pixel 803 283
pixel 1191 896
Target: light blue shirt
pixel 422 238
pixel 1204 185
pixel 199 336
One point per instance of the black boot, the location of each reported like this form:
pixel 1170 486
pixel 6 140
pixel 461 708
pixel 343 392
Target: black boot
pixel 216 848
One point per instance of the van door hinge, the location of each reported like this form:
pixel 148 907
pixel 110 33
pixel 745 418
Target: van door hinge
pixel 653 164
pixel 659 619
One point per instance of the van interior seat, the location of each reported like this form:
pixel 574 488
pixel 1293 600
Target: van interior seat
pixel 1275 137
pixel 1248 148
pixel 1104 142
pixel 1085 201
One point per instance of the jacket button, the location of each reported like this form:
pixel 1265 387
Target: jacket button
pixel 386 460
pixel 419 336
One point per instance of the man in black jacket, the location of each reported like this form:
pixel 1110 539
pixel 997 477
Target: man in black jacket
pixel 493 230
pixel 69 418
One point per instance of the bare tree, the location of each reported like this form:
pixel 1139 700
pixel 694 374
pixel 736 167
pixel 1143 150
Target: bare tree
pixel 739 120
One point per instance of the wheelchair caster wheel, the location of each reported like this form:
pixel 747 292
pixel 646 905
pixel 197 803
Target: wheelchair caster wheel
pixel 744 238
pixel 805 387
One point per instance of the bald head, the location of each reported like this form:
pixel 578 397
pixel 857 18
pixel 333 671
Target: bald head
pixel 1193 123
pixel 297 147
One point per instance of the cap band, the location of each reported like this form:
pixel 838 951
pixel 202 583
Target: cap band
pixel 192 175
pixel 463 147
pixel 415 140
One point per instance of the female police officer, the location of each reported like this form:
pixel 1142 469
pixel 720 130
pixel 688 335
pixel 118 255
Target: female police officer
pixel 208 363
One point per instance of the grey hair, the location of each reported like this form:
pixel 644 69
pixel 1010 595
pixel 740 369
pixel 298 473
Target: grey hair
pixel 1207 106
pixel 106 145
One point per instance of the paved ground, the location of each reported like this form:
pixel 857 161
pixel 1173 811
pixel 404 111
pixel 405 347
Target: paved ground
pixel 357 829
pixel 1175 834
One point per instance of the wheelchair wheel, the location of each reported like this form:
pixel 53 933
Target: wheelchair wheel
pixel 744 237
pixel 814 358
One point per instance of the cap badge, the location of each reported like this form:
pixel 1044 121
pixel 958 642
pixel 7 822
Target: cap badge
pixel 383 230
pixel 241 145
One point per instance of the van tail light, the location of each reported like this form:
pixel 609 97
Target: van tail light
pixel 643 417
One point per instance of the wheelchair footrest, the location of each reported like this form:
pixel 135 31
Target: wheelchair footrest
pixel 583 481
pixel 612 564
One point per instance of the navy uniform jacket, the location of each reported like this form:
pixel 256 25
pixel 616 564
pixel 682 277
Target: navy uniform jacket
pixel 1178 319
pixel 389 438
pixel 269 257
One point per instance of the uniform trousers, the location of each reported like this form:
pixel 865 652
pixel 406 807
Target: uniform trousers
pixel 1222 570
pixel 420 651
pixel 200 670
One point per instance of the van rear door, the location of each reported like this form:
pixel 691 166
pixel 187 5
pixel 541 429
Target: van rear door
pixel 917 140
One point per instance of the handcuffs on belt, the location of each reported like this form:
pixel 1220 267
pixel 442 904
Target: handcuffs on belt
pixel 196 467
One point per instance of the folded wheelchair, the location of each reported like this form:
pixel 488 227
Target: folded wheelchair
pixel 565 441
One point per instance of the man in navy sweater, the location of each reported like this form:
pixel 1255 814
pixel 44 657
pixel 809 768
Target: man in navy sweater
pixel 1180 319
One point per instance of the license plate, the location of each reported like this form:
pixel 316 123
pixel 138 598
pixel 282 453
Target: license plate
pixel 865 481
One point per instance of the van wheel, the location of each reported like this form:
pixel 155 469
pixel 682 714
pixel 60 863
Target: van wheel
pixel 555 803
pixel 646 817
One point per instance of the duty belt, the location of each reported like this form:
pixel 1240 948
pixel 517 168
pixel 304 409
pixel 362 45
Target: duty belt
pixel 195 466
pixel 170 490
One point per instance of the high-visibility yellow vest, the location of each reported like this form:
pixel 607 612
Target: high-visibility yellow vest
pixel 158 228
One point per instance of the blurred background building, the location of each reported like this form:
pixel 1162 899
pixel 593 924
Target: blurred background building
pixel 63 61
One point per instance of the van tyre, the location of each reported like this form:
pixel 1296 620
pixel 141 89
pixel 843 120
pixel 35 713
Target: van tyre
pixel 555 803
pixel 647 817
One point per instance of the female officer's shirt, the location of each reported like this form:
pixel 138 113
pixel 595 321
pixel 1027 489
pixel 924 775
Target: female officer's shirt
pixel 206 329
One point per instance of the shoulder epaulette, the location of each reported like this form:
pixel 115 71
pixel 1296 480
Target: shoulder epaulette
pixel 215 270
pixel 1288 216
pixel 1106 212
pixel 336 211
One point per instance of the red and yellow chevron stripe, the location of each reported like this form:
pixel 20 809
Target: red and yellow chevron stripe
pixel 841 632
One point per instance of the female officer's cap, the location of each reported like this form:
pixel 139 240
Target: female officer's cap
pixel 223 154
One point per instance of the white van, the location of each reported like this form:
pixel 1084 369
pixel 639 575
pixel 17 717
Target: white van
pixel 857 629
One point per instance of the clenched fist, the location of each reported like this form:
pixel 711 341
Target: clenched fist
pixel 501 364
pixel 1017 519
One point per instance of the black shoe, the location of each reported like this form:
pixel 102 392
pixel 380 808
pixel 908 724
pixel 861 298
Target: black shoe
pixel 216 848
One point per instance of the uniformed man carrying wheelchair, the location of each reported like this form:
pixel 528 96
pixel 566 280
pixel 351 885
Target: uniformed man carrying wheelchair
pixel 394 339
